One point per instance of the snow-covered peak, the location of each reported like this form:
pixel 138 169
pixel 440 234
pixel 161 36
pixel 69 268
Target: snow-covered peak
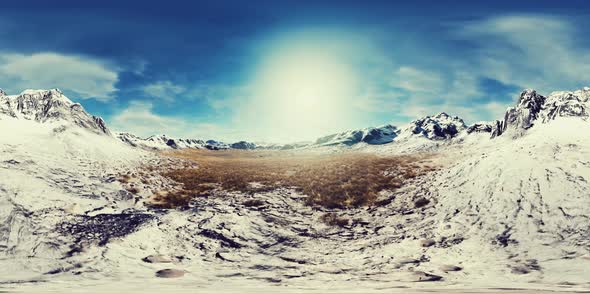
pixel 165 142
pixel 567 104
pixel 2 93
pixel 374 136
pixel 436 127
pixel 50 106
pixel 533 108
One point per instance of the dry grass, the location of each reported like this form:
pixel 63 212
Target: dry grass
pixel 330 180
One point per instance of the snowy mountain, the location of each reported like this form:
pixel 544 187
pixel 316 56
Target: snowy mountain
pixel 531 108
pixel 381 135
pixel 438 127
pixel 243 145
pixel 49 106
pixel 164 142
pixel 160 142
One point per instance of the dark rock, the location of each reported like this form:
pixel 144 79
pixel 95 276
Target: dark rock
pixel 225 241
pixel 480 128
pixel 172 144
pixel 427 242
pixel 419 276
pixel 157 259
pixel 450 268
pixel 421 202
pixel 170 273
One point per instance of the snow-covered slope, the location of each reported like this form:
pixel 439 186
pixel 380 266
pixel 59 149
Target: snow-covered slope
pixel 528 197
pixel 374 136
pixel 49 106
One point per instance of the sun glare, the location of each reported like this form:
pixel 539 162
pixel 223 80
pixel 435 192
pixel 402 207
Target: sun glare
pixel 304 90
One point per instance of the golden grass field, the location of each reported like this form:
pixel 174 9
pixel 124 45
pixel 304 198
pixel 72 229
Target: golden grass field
pixel 336 180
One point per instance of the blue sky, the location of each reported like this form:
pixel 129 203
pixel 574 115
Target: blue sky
pixel 291 70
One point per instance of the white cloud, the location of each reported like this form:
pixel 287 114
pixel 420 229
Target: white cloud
pixel 85 76
pixel 417 80
pixel 139 119
pixel 165 90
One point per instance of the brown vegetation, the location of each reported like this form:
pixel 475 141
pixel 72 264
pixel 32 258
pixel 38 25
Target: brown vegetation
pixel 330 180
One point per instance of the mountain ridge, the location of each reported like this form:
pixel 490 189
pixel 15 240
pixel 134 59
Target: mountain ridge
pixel 531 108
pixel 50 105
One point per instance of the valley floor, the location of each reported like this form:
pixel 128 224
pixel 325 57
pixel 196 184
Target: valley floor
pixel 498 218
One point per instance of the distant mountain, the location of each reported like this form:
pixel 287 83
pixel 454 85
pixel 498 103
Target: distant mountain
pixel 381 135
pixel 160 142
pixel 531 109
pixel 438 127
pixel 243 145
pixel 163 142
pixel 50 106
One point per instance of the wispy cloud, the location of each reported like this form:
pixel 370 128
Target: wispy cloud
pixel 513 51
pixel 417 80
pixel 140 119
pixel 165 90
pixel 537 51
pixel 87 77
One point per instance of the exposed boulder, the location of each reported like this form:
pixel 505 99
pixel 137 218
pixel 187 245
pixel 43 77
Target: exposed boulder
pixel 170 273
pixel 158 258
pixel 419 276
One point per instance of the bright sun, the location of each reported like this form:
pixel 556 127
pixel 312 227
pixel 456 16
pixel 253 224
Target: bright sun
pixel 304 92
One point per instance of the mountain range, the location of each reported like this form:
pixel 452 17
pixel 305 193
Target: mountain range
pixel 530 109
